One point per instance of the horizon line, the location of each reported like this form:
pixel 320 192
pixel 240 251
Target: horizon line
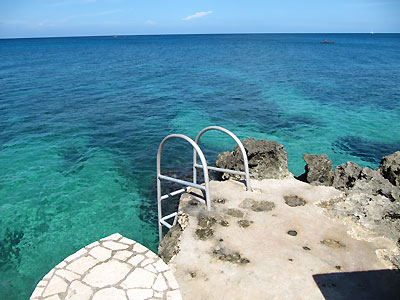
pixel 164 34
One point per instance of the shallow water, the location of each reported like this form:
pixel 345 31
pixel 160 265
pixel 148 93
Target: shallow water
pixel 81 120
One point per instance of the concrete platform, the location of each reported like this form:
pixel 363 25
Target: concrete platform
pixel 114 268
pixel 275 243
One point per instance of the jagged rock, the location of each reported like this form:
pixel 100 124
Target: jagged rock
pixel 345 175
pixel 372 182
pixel 390 168
pixel 267 159
pixel 318 169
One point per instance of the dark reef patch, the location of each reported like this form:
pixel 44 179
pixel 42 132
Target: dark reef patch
pixel 367 150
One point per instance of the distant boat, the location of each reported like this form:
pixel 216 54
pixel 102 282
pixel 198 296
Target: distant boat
pixel 327 42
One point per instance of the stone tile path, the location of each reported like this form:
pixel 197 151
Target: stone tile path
pixel 114 268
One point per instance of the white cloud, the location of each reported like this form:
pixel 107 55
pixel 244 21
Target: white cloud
pixel 198 15
pixel 150 22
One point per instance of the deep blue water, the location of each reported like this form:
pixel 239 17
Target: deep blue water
pixel 81 120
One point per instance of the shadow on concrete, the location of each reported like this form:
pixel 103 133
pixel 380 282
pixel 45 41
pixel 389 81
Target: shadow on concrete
pixel 365 285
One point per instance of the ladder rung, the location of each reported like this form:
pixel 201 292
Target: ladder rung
pixel 174 193
pixel 222 170
pixel 169 216
pixel 183 182
pixel 166 224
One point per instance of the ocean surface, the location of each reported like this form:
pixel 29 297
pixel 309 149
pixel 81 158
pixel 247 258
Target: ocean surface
pixel 81 120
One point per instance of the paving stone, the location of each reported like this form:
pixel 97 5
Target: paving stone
pixel 61 265
pixel 127 241
pixel 114 245
pixel 134 261
pixel 78 291
pixel 48 275
pixel 67 275
pixel 174 295
pixel 54 297
pixel 94 244
pixel 160 284
pixel 37 292
pixel 100 253
pixel 123 255
pixel 110 294
pixel 146 262
pixel 160 266
pixel 108 273
pixel 56 285
pixel 171 280
pixel 150 254
pixel 113 237
pixel 139 294
pixel 150 268
pixel 139 248
pixel 139 278
pixel 83 264
pixel 77 254
pixel 42 283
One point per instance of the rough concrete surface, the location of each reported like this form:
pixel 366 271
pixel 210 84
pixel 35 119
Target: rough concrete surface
pixel 247 248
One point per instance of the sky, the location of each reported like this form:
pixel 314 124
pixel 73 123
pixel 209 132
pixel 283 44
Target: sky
pixel 43 18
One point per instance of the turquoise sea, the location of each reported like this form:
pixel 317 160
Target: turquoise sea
pixel 81 120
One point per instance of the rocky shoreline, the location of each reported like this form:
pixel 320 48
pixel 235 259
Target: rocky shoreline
pixel 371 196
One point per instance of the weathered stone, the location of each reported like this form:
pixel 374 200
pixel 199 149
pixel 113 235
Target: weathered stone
pixel 77 254
pixel 345 175
pixel 390 168
pixel 113 237
pixel 67 275
pixel 318 169
pixel 267 159
pixel 257 206
pixel 139 248
pixel 160 266
pixel 108 273
pixel 231 257
pixel 111 293
pixel 293 201
pixel 123 255
pixel 224 223
pixel 174 295
pixel 171 280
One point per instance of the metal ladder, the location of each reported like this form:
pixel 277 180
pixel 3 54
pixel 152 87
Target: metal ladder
pixel 162 220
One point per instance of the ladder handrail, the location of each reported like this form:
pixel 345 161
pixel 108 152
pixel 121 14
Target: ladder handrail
pixel 197 150
pixel 236 139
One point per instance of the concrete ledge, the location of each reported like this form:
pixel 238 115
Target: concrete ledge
pixel 114 268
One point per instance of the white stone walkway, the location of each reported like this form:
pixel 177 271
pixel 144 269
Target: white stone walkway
pixel 114 268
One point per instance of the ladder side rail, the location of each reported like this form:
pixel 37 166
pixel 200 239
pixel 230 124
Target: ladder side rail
pixel 159 176
pixel 238 142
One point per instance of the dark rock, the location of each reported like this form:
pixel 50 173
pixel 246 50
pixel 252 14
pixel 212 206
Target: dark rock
pixel 168 247
pixel 390 168
pixel 206 222
pixel 204 233
pixel 219 201
pixel 292 232
pixel 318 169
pixel 244 223
pixel 257 206
pixel 294 201
pixel 267 159
pixel 306 248
pixel 332 243
pixel 345 175
pixel 224 223
pixel 237 213
pixel 228 256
